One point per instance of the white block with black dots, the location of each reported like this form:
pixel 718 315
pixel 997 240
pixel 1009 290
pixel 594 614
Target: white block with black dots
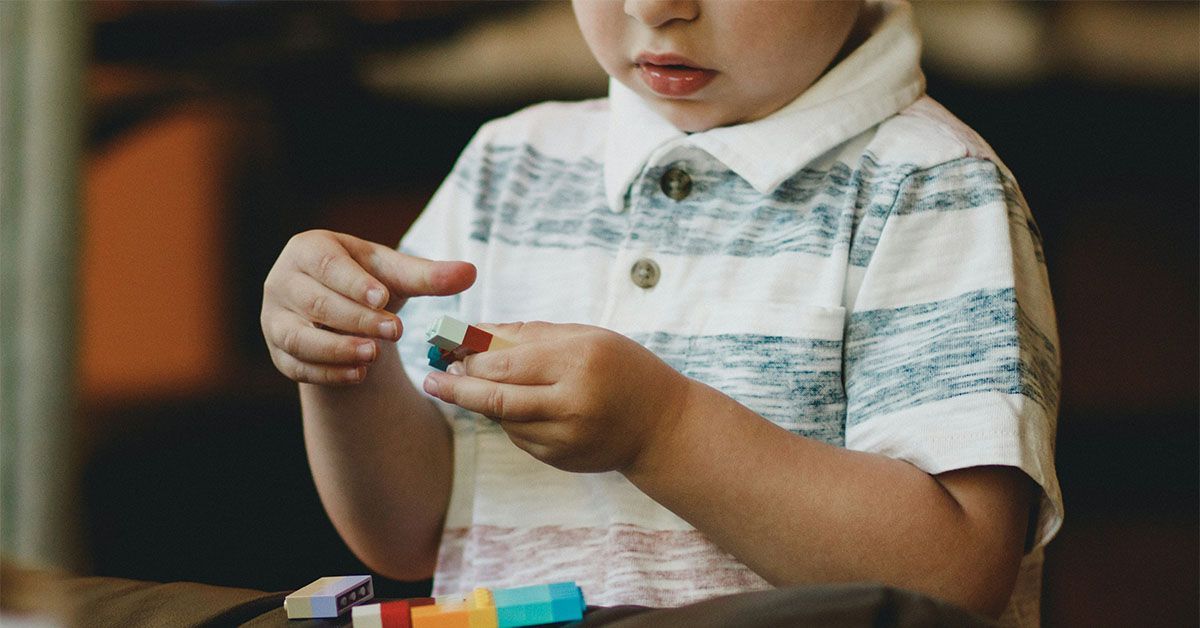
pixel 328 597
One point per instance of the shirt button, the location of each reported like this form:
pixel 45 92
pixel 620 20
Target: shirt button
pixel 676 184
pixel 645 273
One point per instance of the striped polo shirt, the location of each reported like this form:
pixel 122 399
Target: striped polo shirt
pixel 858 268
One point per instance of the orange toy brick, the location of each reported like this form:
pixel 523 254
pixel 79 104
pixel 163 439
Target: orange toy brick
pixel 470 610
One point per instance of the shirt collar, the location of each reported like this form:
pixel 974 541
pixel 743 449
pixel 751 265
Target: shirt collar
pixel 879 78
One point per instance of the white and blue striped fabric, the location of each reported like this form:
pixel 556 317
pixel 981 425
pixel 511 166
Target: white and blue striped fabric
pixel 858 268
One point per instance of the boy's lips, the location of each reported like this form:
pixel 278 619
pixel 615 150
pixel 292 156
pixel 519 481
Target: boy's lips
pixel 672 75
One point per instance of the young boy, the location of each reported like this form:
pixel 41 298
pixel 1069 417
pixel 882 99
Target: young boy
pixel 797 329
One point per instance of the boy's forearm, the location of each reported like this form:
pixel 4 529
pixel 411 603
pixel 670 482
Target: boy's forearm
pixel 796 510
pixel 380 454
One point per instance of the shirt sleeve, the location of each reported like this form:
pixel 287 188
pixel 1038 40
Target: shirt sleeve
pixel 951 350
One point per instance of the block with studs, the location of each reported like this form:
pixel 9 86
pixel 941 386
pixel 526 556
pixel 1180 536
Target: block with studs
pixel 328 597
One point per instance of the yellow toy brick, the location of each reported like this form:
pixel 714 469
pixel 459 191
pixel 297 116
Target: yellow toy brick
pixel 464 610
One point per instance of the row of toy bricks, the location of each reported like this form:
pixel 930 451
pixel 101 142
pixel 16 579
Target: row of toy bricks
pixel 482 608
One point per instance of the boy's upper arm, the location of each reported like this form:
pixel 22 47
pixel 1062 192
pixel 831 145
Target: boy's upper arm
pixel 951 345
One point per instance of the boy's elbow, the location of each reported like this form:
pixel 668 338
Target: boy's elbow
pixel 996 506
pixel 986 600
pixel 404 572
pixel 982 583
pixel 397 561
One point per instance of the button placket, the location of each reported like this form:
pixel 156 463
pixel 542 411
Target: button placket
pixel 644 272
pixel 675 183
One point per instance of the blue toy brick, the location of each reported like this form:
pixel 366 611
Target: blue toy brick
pixel 567 603
pixel 518 616
pixel 563 609
pixel 523 614
pixel 538 604
pixel 562 590
pixel 521 595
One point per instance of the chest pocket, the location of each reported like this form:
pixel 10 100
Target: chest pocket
pixel 782 360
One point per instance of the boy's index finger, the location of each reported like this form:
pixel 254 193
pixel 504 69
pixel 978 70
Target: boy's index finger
pixel 336 268
pixel 411 276
pixel 531 331
pixel 525 364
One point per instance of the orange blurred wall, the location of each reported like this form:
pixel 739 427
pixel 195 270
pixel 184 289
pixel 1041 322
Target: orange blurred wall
pixel 153 317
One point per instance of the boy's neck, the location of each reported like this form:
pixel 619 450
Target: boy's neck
pixel 869 15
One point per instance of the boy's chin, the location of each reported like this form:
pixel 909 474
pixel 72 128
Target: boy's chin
pixel 691 116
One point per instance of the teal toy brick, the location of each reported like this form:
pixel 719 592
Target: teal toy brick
pixel 437 358
pixel 539 604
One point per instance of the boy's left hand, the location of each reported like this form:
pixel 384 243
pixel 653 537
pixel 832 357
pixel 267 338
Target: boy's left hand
pixel 580 398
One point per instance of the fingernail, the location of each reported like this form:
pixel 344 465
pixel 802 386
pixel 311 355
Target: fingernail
pixel 366 351
pixel 456 368
pixel 431 385
pixel 376 297
pixel 387 329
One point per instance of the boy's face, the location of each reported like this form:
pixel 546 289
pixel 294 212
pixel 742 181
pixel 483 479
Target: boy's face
pixel 709 63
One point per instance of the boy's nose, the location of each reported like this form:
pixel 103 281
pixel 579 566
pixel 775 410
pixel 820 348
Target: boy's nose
pixel 656 13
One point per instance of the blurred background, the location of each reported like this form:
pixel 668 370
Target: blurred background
pixel 156 156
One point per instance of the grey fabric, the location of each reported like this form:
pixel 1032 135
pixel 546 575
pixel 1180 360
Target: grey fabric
pixel 135 603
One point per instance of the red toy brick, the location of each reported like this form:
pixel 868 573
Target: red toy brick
pixel 476 339
pixel 398 614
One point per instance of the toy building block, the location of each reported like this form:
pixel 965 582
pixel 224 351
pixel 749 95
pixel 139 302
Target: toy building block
pixel 328 597
pixel 454 340
pixel 395 614
pixel 464 610
pixel 447 333
pixel 538 604
pixel 437 358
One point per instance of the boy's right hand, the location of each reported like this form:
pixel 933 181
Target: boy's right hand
pixel 331 298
